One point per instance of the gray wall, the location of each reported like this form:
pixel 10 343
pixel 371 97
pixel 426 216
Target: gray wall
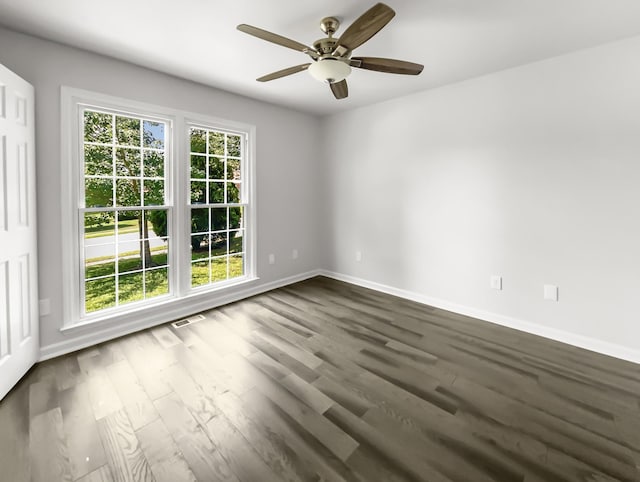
pixel 531 173
pixel 287 163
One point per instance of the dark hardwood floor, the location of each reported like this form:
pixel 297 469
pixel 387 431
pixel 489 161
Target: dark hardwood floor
pixel 323 380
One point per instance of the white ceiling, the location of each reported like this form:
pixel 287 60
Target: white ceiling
pixel 197 39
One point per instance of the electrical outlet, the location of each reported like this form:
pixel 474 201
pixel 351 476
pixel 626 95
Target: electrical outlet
pixel 358 256
pixel 551 292
pixel 272 259
pixel 294 254
pixel 496 282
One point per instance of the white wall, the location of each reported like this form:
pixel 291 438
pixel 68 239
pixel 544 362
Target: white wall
pixel 287 167
pixel 531 173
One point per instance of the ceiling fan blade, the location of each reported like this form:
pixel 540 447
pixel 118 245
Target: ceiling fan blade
pixel 274 38
pixel 340 89
pixel 365 27
pixel 283 73
pixel 391 66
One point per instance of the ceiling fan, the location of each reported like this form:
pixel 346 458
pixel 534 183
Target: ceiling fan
pixel 331 57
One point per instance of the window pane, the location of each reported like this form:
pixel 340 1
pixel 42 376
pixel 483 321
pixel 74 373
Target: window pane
pixel 155 231
pixel 100 294
pixel 98 225
pixel 130 288
pixel 127 237
pixel 198 167
pixel 130 254
pixel 216 143
pixel 235 218
pixel 99 260
pixel 199 246
pixel 98 160
pixel 147 228
pixel 219 269
pixel 216 168
pixel 128 162
pixel 235 241
pixel 153 134
pixel 233 146
pixel 153 193
pixel 153 164
pixel 236 266
pixel 199 220
pixel 128 131
pixel 157 225
pixel 156 282
pixel 218 219
pixel 216 192
pixel 233 192
pixel 200 273
pixel 159 252
pixel 128 223
pixel 98 192
pixel 198 141
pixel 219 244
pixel 233 169
pixel 198 192
pixel 98 127
pixel 127 192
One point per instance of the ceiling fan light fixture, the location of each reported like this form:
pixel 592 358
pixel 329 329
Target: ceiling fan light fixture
pixel 329 70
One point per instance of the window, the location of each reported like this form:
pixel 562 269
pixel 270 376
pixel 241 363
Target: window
pixel 158 208
pixel 124 220
pixel 217 233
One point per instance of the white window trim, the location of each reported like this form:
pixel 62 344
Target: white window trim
pixel 178 152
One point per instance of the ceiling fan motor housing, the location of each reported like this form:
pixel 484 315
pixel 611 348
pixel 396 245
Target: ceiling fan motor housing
pixel 325 46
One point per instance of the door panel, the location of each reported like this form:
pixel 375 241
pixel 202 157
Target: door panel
pixel 4 309
pixel 19 341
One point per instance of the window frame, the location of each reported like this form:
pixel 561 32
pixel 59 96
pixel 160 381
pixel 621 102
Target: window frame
pixel 177 191
pixel 82 209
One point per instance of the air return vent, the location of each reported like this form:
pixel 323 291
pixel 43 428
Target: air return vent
pixel 187 321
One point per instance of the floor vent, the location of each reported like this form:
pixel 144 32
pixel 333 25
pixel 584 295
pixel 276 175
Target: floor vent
pixel 187 321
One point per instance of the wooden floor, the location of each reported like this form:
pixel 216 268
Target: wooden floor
pixel 323 380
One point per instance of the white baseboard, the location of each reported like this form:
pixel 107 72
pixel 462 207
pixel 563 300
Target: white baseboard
pixel 92 335
pixel 99 336
pixel 592 344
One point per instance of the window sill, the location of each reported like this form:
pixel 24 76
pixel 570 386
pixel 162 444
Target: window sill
pixel 167 308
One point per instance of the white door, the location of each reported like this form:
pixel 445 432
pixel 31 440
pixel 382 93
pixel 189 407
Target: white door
pixel 19 342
